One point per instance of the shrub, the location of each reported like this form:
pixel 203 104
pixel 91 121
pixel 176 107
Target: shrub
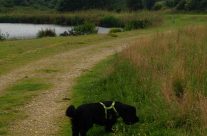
pixel 136 24
pixel 86 28
pixel 115 30
pixel 159 5
pixel 46 33
pixel 3 36
pixel 110 21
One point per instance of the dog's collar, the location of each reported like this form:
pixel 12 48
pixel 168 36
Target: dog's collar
pixel 109 108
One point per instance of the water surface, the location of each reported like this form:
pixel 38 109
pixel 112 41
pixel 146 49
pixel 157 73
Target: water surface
pixel 27 31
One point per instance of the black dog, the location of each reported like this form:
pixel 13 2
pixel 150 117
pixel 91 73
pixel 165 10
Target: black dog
pixel 103 113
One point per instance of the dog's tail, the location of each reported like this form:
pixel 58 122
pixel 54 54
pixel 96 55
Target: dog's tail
pixel 70 112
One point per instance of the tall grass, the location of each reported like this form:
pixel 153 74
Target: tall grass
pixel 177 61
pixel 164 76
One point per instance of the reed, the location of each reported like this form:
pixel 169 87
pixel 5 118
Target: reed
pixel 100 18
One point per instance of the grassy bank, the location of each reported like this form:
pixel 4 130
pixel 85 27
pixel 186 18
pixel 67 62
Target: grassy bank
pixel 164 76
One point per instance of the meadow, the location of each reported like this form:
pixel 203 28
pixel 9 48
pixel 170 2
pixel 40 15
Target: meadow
pixel 163 76
pixel 146 75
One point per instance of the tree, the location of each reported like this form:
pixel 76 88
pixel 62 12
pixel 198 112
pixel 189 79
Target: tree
pixel 203 5
pixel 149 3
pixel 135 4
pixel 69 5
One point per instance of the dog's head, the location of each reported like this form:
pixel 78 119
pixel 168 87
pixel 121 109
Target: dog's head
pixel 128 114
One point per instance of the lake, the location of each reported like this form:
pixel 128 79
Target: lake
pixel 28 31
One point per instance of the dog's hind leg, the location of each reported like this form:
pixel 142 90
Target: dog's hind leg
pixel 84 129
pixel 75 129
pixel 83 133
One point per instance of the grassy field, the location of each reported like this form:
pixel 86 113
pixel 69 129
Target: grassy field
pixel 121 74
pixel 20 52
pixel 163 76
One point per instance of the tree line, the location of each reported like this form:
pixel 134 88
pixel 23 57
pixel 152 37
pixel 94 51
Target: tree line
pixel 118 5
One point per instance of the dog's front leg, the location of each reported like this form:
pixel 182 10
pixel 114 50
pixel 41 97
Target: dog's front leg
pixel 109 124
pixel 108 127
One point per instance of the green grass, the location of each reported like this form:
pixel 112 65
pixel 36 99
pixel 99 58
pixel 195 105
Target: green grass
pixel 15 97
pixel 149 75
pixel 119 81
pixel 14 54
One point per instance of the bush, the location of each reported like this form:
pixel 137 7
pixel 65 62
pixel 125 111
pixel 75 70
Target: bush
pixel 136 24
pixel 3 36
pixel 46 33
pixel 110 21
pixel 86 28
pixel 115 30
pixel 159 5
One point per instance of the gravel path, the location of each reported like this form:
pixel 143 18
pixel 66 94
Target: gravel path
pixel 45 111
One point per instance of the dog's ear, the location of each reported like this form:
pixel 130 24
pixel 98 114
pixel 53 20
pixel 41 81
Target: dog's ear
pixel 70 112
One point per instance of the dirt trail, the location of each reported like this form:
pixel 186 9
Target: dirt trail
pixel 45 110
